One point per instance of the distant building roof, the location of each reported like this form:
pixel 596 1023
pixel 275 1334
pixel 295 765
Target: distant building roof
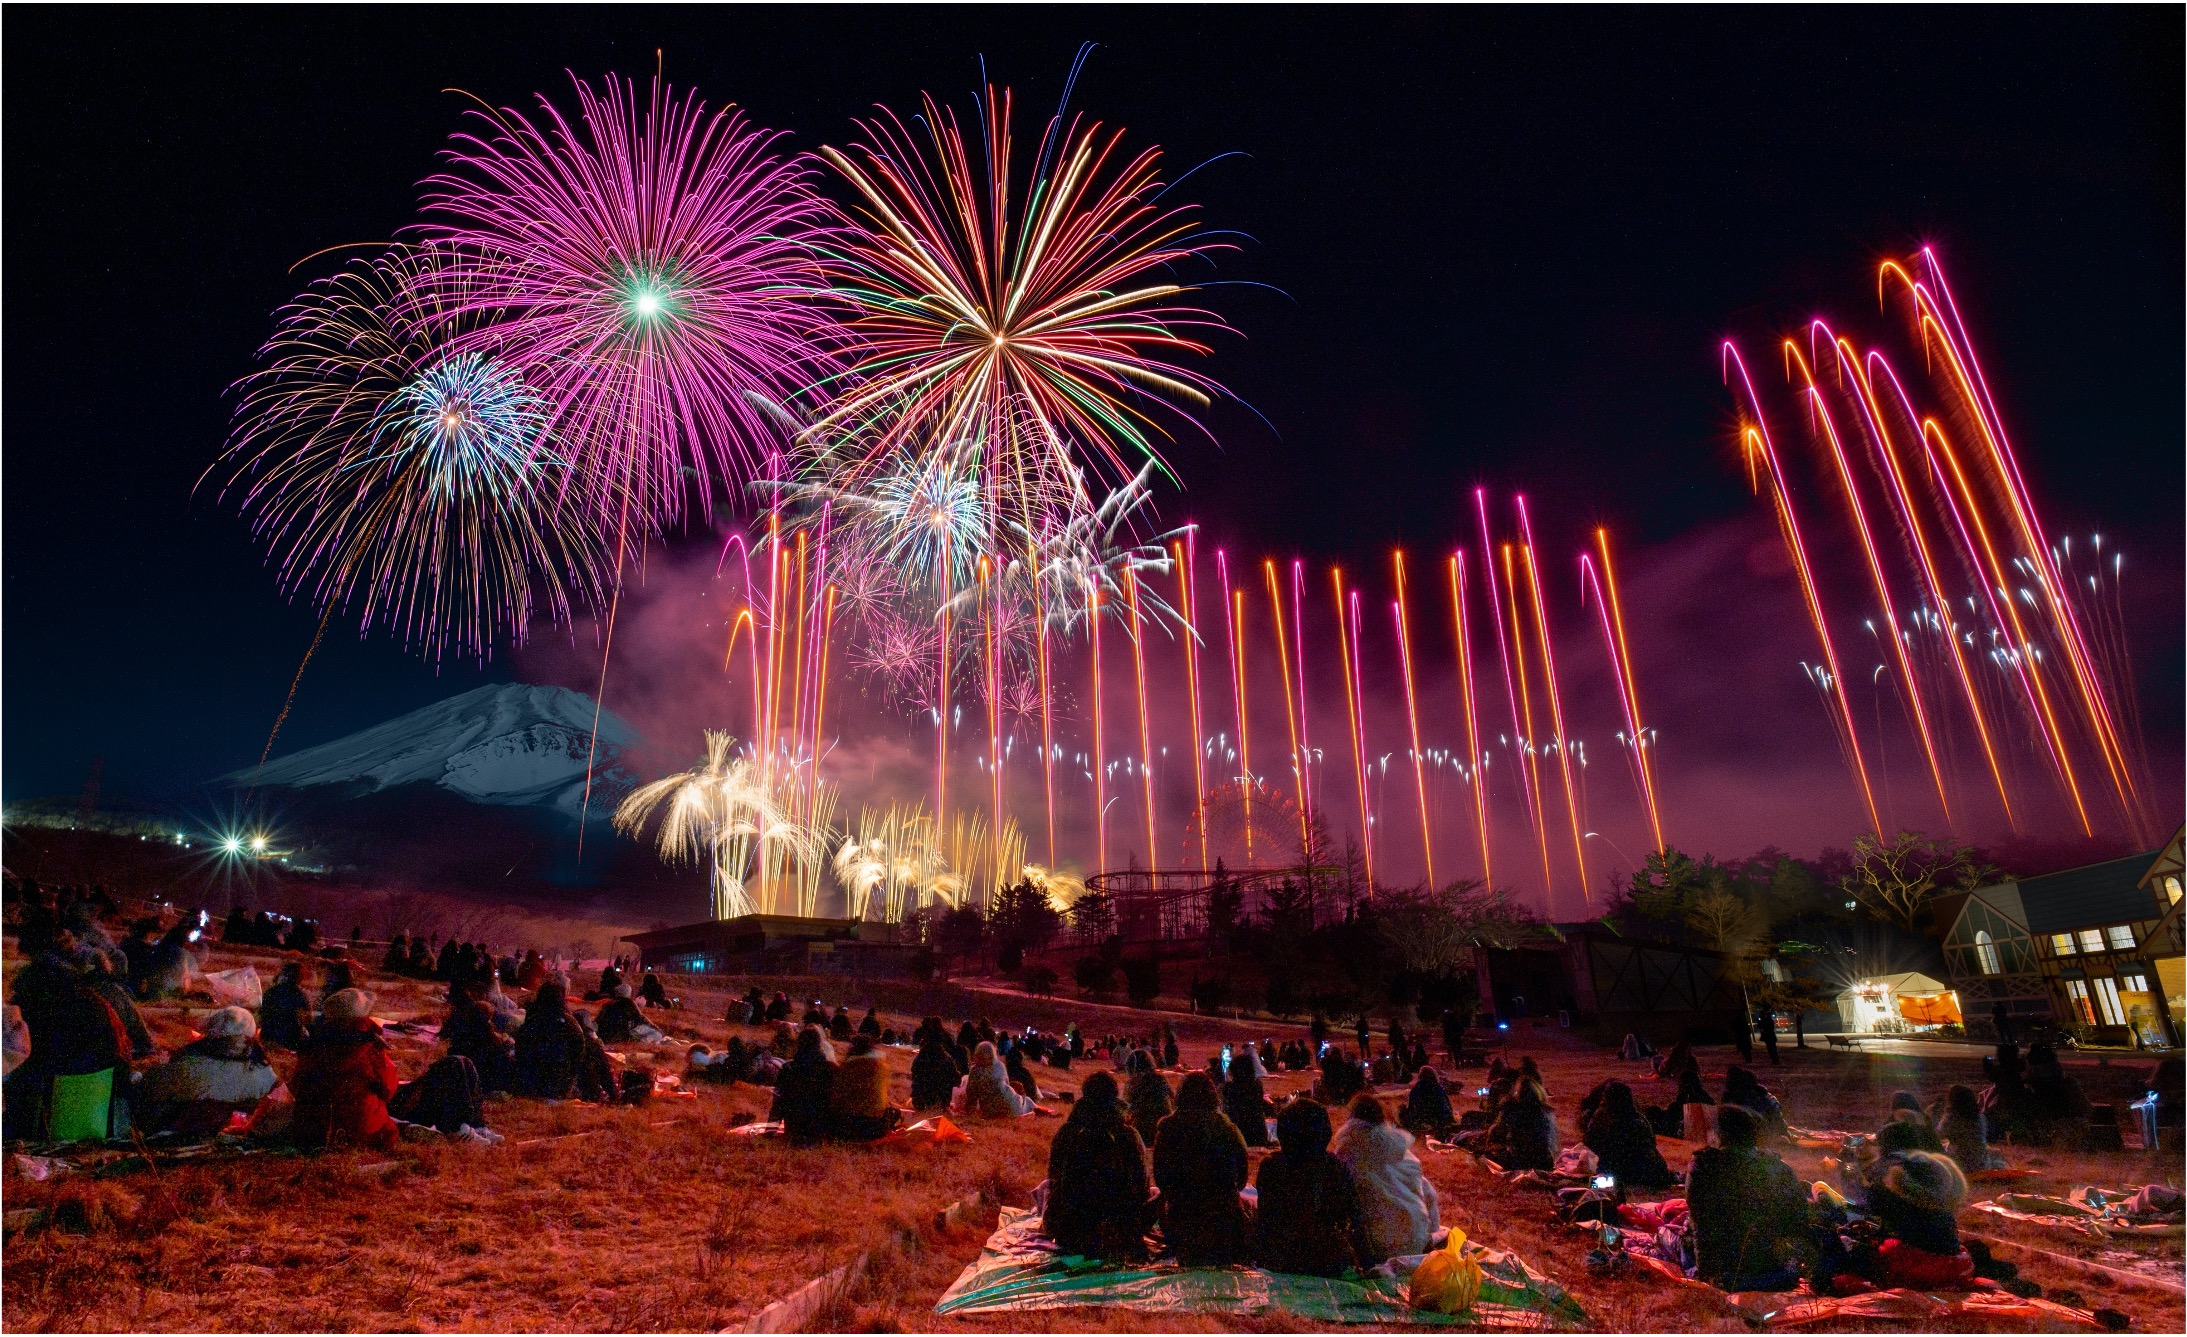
pixel 2092 896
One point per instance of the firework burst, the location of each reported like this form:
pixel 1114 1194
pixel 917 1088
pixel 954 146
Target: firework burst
pixel 384 466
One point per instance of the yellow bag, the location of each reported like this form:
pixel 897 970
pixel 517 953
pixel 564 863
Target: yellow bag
pixel 1446 1281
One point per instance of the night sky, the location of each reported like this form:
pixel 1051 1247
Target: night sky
pixel 1496 248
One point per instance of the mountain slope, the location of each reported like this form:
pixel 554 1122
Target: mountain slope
pixel 508 745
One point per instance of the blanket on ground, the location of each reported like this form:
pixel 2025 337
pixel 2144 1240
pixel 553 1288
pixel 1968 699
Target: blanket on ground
pixel 1988 1308
pixel 1019 1269
pixel 2151 1210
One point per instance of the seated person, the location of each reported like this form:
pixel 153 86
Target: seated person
pixel 987 1092
pixel 1622 1140
pixel 1524 1136
pixel 1020 1076
pixel 858 1105
pixel 1309 1221
pixel 1097 1203
pixel 1148 1095
pixel 620 1022
pixel 194 1092
pixel 1427 1109
pixel 284 1010
pixel 1396 1197
pixel 1742 1087
pixel 933 1073
pixel 1672 1120
pixel 344 1079
pixel 446 1097
pixel 1747 1209
pixel 1965 1133
pixel 1199 1166
pixel 1244 1101
pixel 1909 1128
pixel 469 1034
pixel 652 990
pixel 804 1089
pixel 1673 1062
pixel 610 980
pixel 596 1080
pixel 871 1025
pixel 1341 1077
pixel 1635 1047
pixel 550 1047
pixel 1915 1197
pixel 839 1025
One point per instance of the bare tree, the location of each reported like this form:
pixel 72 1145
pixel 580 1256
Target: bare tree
pixel 1896 879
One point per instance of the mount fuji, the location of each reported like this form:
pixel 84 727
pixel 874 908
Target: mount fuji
pixel 508 745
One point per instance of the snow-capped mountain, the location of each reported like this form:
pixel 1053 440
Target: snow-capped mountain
pixel 511 745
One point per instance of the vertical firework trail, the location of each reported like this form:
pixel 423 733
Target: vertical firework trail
pixel 1233 631
pixel 1556 697
pixel 1859 513
pixel 1909 519
pixel 1621 660
pixel 994 691
pixel 1528 754
pixel 1047 722
pixel 1755 444
pixel 1474 759
pixel 1100 762
pixel 1527 796
pixel 1146 746
pixel 1351 709
pixel 1412 717
pixel 1359 716
pixel 1290 712
pixel 1306 741
pixel 1189 601
pixel 941 703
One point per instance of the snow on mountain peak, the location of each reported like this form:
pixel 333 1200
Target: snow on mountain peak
pixel 509 744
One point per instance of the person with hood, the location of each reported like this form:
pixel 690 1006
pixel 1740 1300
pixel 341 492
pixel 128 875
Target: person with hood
pixel 1148 1094
pixel 195 1091
pixel 74 1031
pixel 469 1033
pixel 284 1010
pixel 933 1073
pixel 1199 1166
pixel 1619 1135
pixel 1747 1207
pixel 169 964
pixel 1524 1136
pixel 1427 1110
pixel 839 1025
pixel 1396 1198
pixel 344 1079
pixel 1742 1087
pixel 859 1109
pixel 1245 1101
pixel 338 976
pixel 1097 1204
pixel 1310 1221
pixel 550 1046
pixel 1915 1197
pixel 1964 1132
pixel 620 1022
pixel 803 1090
pixel 987 1091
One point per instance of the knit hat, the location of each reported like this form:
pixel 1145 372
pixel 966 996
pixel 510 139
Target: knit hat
pixel 349 1005
pixel 229 1023
pixel 1927 1181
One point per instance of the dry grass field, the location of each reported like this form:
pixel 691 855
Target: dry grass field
pixel 660 1218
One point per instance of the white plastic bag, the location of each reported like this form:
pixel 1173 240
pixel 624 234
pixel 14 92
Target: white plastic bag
pixel 233 988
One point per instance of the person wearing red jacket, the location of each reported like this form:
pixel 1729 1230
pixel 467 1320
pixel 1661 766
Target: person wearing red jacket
pixel 344 1079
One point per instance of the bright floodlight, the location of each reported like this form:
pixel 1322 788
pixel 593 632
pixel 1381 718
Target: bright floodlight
pixel 258 844
pixel 231 845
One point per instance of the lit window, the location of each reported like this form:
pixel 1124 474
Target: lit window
pixel 2121 936
pixel 2107 995
pixel 2171 888
pixel 2091 939
pixel 1985 953
pixel 2077 991
pixel 2062 943
pixel 2134 982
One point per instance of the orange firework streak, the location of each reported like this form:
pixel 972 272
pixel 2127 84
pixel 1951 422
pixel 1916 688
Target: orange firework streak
pixel 1621 653
pixel 797 694
pixel 1233 628
pixel 1965 374
pixel 1359 683
pixel 2030 672
pixel 1529 755
pixel 1290 714
pixel 1875 571
pixel 1100 766
pixel 820 695
pixel 941 713
pixel 1351 706
pixel 994 696
pixel 1908 516
pixel 1306 740
pixel 1465 694
pixel 1047 726
pixel 1412 717
pixel 1556 702
pixel 1185 584
pixel 774 683
pixel 1146 746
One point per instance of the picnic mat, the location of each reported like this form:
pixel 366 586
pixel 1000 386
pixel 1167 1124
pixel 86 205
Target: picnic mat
pixel 1988 1309
pixel 2098 1212
pixel 1019 1269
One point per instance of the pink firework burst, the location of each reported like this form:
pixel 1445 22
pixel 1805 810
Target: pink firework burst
pixel 652 265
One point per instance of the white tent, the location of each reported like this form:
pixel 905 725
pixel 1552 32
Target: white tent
pixel 1872 1005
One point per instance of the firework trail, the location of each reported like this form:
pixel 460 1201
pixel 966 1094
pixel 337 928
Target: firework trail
pixel 1474 756
pixel 385 468
pixel 1290 712
pixel 725 811
pixel 1298 651
pixel 1412 716
pixel 1189 600
pixel 1512 687
pixel 1146 746
pixel 1234 633
pixel 1621 660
